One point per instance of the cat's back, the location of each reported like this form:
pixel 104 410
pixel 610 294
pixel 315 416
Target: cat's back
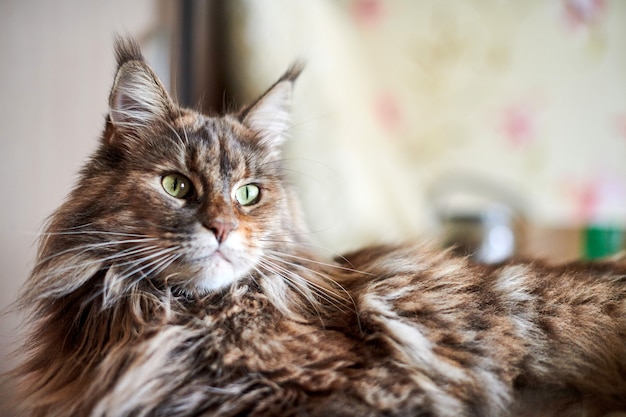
pixel 490 334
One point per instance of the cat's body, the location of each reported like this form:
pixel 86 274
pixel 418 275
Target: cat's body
pixel 177 281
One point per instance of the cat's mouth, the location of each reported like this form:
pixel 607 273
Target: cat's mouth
pixel 215 256
pixel 219 256
pixel 211 265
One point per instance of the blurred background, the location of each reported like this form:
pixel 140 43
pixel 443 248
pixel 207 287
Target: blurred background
pixel 498 125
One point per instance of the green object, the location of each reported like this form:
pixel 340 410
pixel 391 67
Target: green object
pixel 602 241
pixel 176 185
pixel 247 194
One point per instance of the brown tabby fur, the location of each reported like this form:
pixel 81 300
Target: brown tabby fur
pixel 127 319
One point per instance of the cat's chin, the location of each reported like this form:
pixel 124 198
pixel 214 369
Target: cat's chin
pixel 217 271
pixel 211 266
pixel 216 274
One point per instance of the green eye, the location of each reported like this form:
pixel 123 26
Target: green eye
pixel 176 185
pixel 247 194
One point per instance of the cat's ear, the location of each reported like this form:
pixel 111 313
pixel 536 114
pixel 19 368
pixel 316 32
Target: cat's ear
pixel 138 98
pixel 268 117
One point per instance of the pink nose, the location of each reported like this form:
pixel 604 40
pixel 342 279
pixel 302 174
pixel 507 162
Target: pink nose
pixel 221 229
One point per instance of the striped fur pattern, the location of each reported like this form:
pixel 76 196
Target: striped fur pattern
pixel 145 304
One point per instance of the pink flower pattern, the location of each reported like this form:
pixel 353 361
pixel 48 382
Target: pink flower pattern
pixel 367 12
pixel 597 198
pixel 583 13
pixel 519 124
pixel 388 111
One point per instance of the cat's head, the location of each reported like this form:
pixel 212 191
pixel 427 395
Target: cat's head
pixel 192 201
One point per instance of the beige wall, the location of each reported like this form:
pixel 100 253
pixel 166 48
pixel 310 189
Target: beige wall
pixel 56 67
pixel 521 100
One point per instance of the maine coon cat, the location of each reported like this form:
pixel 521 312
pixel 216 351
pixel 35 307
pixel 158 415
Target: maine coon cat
pixel 177 280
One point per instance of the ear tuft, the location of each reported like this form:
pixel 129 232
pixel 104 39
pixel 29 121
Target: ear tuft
pixel 127 49
pixel 269 115
pixel 138 97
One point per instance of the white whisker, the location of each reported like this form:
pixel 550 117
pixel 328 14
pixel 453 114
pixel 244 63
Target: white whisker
pixel 307 245
pixel 322 292
pixel 325 293
pixel 185 134
pixel 89 232
pixel 180 144
pixel 321 263
pixel 159 266
pixel 156 266
pixel 296 286
pixel 140 262
pixel 91 246
pixel 81 264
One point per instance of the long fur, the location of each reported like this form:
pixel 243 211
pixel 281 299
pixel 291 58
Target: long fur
pixel 126 316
